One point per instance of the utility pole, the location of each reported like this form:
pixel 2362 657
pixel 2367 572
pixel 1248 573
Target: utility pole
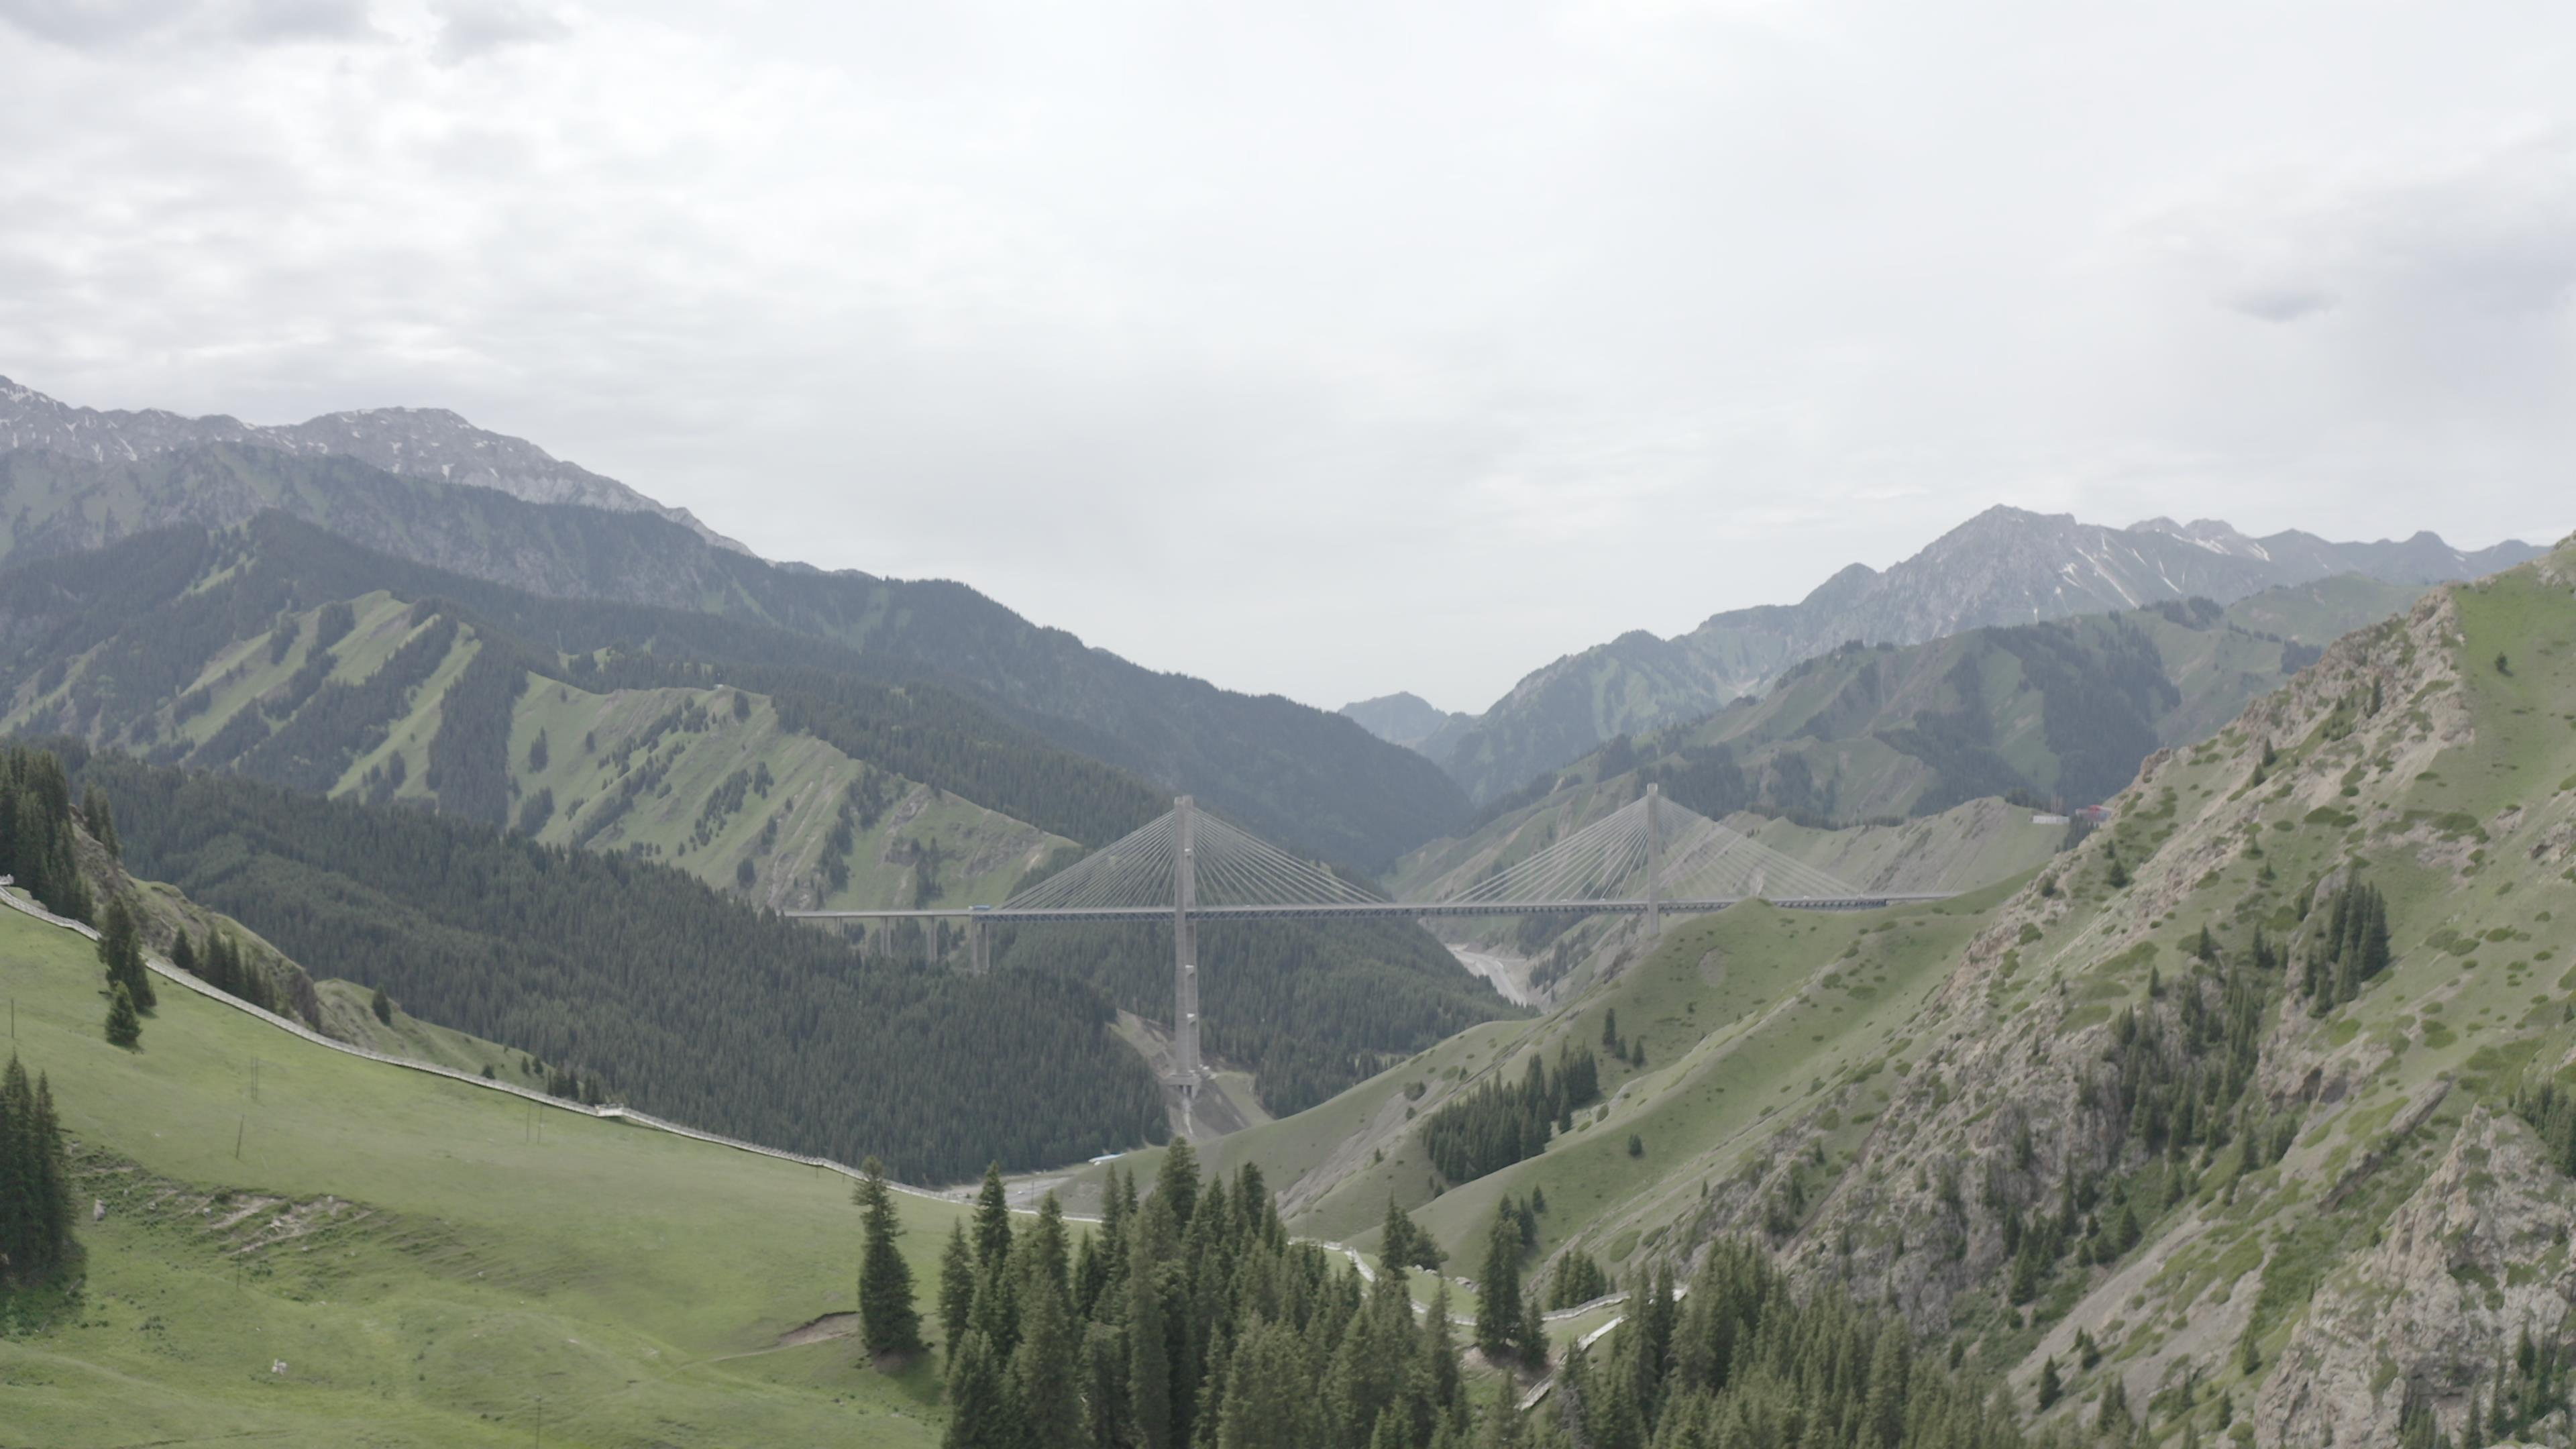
pixel 1654 864
pixel 1185 964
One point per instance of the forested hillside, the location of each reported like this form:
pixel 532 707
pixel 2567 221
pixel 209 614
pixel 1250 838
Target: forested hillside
pixel 734 752
pixel 681 1000
pixel 2244 1119
pixel 1308 1007
pixel 1298 775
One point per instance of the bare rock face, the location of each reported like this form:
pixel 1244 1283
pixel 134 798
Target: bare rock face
pixel 2474 1258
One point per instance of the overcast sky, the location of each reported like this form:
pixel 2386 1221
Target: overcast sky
pixel 1340 349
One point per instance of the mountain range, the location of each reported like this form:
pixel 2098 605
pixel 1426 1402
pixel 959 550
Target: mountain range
pixel 1295 774
pixel 2005 566
pixel 416 442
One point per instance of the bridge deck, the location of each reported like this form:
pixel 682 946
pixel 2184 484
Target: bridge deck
pixel 1401 909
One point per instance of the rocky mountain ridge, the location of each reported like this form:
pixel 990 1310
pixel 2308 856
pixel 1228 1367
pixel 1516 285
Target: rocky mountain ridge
pixel 2005 566
pixel 412 442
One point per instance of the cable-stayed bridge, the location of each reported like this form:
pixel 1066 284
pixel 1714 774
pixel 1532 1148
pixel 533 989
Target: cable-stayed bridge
pixel 1649 858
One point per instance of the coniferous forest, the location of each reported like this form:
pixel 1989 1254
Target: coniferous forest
pixel 35 1183
pixel 36 833
pixel 1309 1007
pixel 1188 1318
pixel 673 997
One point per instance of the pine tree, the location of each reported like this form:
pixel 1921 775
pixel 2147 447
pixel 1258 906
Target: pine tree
pixel 101 821
pixel 35 1181
pixel 1043 1254
pixel 1501 1428
pixel 980 1412
pixel 383 1007
pixel 183 951
pixel 1178 1183
pixel 1149 1365
pixel 992 1220
pixel 956 1290
pixel 1498 1306
pixel 2050 1385
pixel 1529 1340
pixel 1045 1367
pixel 888 1321
pixel 120 950
pixel 124 1025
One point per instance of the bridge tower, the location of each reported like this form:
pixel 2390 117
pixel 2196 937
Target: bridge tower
pixel 1185 951
pixel 1654 863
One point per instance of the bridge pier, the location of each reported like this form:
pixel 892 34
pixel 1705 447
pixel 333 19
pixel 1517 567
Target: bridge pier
pixel 1186 1067
pixel 979 946
pixel 1654 864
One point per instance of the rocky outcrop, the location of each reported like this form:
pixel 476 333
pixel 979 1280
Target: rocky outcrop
pixel 2469 1263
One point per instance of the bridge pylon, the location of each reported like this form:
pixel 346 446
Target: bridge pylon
pixel 1186 1065
pixel 1654 863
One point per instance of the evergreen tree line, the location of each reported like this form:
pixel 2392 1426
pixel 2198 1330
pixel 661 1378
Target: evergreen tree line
pixel 1309 1007
pixel 2172 1083
pixel 37 839
pixel 695 1006
pixel 1188 1318
pixel 219 959
pixel 1744 1361
pixel 2522 1390
pixel 35 1182
pixel 2350 950
pixel 1499 1124
pixel 341 721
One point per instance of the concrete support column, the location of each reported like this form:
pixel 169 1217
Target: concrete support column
pixel 1654 862
pixel 1185 951
pixel 979 946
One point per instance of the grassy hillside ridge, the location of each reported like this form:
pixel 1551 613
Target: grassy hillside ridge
pixel 2455 797
pixel 403 1245
pixel 1903 1103
pixel 1293 773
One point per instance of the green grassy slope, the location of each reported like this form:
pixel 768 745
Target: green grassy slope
pixel 730 785
pixel 429 1260
pixel 650 771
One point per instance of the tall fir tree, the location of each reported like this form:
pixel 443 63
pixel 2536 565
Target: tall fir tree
pixel 120 950
pixel 889 1323
pixel 956 1289
pixel 35 1181
pixel 124 1024
pixel 981 1414
pixel 992 1219
pixel 1498 1305
pixel 1045 1368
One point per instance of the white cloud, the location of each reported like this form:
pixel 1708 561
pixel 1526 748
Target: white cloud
pixel 1339 349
